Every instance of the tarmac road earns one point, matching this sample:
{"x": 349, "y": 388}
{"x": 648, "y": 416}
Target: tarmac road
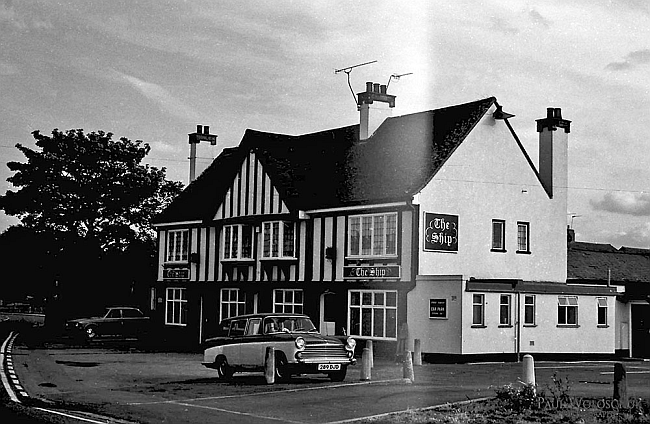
{"x": 137, "y": 386}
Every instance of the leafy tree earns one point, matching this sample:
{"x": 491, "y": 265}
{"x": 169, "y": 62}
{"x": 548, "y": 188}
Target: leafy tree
{"x": 88, "y": 186}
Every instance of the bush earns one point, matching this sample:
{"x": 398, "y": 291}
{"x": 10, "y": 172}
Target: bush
{"x": 518, "y": 398}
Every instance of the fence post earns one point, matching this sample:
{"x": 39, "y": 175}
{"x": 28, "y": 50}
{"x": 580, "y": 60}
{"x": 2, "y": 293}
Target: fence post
{"x": 371, "y": 353}
{"x": 528, "y": 375}
{"x": 269, "y": 365}
{"x": 620, "y": 383}
{"x": 417, "y": 352}
{"x": 407, "y": 367}
{"x": 365, "y": 365}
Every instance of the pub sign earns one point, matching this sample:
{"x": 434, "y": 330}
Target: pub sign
{"x": 437, "y": 308}
{"x": 440, "y": 232}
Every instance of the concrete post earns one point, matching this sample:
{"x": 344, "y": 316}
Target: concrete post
{"x": 620, "y": 384}
{"x": 365, "y": 365}
{"x": 528, "y": 375}
{"x": 407, "y": 367}
{"x": 371, "y": 353}
{"x": 269, "y": 365}
{"x": 417, "y": 353}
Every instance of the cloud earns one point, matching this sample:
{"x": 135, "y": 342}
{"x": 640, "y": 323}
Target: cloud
{"x": 624, "y": 203}
{"x": 161, "y": 96}
{"x": 631, "y": 60}
{"x": 634, "y": 237}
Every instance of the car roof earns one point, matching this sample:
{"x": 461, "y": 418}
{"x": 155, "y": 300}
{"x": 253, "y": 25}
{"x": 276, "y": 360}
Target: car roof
{"x": 266, "y": 315}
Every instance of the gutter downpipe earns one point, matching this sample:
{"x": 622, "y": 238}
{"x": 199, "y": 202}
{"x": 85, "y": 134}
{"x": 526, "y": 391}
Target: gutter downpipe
{"x": 518, "y": 329}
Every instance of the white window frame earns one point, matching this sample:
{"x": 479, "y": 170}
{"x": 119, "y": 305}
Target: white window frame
{"x": 480, "y": 322}
{"x": 602, "y": 306}
{"x": 523, "y": 237}
{"x": 563, "y": 305}
{"x": 377, "y": 308}
{"x": 505, "y": 310}
{"x": 498, "y": 235}
{"x": 379, "y": 245}
{"x": 287, "y": 302}
{"x": 269, "y": 234}
{"x": 530, "y": 305}
{"x": 233, "y": 242}
{"x": 227, "y": 303}
{"x": 174, "y": 244}
{"x": 176, "y": 306}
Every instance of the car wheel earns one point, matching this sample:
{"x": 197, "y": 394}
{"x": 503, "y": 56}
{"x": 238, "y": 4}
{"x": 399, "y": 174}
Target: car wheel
{"x": 339, "y": 375}
{"x": 91, "y": 333}
{"x": 281, "y": 372}
{"x": 224, "y": 371}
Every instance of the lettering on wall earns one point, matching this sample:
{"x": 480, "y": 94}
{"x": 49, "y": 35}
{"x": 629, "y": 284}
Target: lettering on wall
{"x": 371, "y": 272}
{"x": 440, "y": 232}
{"x": 437, "y": 308}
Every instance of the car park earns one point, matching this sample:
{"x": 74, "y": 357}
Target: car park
{"x": 115, "y": 322}
{"x": 242, "y": 341}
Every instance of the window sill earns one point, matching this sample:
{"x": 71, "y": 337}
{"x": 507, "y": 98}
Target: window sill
{"x": 505, "y": 326}
{"x": 175, "y": 325}
{"x": 371, "y": 258}
{"x": 602, "y": 326}
{"x": 530, "y": 325}
{"x": 498, "y": 250}
{"x": 179, "y": 263}
{"x": 523, "y": 252}
{"x": 288, "y": 259}
{"x": 235, "y": 261}
{"x": 479, "y": 326}
{"x": 568, "y": 326}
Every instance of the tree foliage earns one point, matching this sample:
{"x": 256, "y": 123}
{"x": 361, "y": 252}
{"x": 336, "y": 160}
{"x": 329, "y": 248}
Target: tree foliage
{"x": 88, "y": 186}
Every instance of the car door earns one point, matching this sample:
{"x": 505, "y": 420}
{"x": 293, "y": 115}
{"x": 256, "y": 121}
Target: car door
{"x": 253, "y": 349}
{"x": 111, "y": 325}
{"x": 132, "y": 322}
{"x": 232, "y": 347}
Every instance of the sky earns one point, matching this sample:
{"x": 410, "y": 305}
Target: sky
{"x": 152, "y": 70}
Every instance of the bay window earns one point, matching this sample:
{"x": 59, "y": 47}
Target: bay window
{"x": 279, "y": 240}
{"x": 237, "y": 242}
{"x": 372, "y": 235}
{"x": 178, "y": 242}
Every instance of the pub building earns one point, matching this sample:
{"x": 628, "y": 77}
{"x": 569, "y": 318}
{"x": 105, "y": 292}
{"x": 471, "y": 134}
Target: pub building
{"x": 434, "y": 226}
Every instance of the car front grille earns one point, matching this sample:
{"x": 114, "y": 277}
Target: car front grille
{"x": 321, "y": 352}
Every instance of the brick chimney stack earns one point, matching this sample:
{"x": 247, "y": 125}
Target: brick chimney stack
{"x": 553, "y": 152}
{"x": 374, "y": 105}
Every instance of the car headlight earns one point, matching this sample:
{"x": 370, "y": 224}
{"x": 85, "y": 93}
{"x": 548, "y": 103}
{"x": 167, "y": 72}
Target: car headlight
{"x": 350, "y": 343}
{"x": 300, "y": 343}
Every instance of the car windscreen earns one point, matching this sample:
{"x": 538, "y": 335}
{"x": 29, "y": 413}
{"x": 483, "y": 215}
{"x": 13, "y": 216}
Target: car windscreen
{"x": 288, "y": 324}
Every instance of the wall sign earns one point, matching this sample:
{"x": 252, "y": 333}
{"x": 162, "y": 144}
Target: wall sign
{"x": 176, "y": 273}
{"x": 372, "y": 272}
{"x": 440, "y": 232}
{"x": 437, "y": 308}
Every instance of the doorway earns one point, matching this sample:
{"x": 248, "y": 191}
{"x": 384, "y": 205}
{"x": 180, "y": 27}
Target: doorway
{"x": 641, "y": 331}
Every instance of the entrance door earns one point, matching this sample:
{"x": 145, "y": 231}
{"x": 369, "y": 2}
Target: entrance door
{"x": 641, "y": 331}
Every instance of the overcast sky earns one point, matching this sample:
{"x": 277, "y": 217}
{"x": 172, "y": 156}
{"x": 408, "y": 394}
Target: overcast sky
{"x": 154, "y": 69}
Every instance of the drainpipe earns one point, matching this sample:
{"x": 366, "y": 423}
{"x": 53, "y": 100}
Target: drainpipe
{"x": 518, "y": 329}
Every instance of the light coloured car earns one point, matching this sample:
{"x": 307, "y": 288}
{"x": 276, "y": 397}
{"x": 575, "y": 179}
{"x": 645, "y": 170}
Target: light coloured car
{"x": 241, "y": 343}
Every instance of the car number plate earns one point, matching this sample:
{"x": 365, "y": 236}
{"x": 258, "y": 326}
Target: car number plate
{"x": 329, "y": 367}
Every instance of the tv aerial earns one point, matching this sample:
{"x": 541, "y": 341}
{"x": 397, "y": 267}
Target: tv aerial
{"x": 348, "y": 70}
{"x": 396, "y": 77}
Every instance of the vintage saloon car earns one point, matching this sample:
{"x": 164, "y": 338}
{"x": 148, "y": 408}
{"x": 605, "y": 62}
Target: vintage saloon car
{"x": 241, "y": 343}
{"x": 119, "y": 321}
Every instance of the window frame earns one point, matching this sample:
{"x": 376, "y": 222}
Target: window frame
{"x": 498, "y": 245}
{"x": 281, "y": 240}
{"x": 526, "y": 243}
{"x": 226, "y": 305}
{"x": 388, "y": 314}
{"x": 532, "y": 306}
{"x": 388, "y": 235}
{"x": 505, "y": 320}
{"x": 602, "y": 308}
{"x": 481, "y": 306}
{"x": 289, "y": 306}
{"x": 178, "y": 316}
{"x": 565, "y": 304}
{"x": 228, "y": 247}
{"x": 172, "y": 245}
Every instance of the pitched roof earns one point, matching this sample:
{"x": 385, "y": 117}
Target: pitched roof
{"x": 593, "y": 262}
{"x": 333, "y": 168}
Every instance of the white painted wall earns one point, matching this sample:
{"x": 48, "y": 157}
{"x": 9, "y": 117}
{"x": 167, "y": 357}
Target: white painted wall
{"x": 488, "y": 177}
{"x": 491, "y": 338}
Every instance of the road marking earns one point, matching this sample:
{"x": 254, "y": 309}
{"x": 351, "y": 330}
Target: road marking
{"x": 279, "y": 391}
{"x": 247, "y": 414}
{"x": 3, "y": 376}
{"x": 627, "y": 372}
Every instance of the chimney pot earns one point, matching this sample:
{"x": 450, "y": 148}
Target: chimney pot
{"x": 558, "y": 113}
{"x": 382, "y": 89}
{"x": 369, "y": 87}
{"x": 549, "y": 112}
{"x": 206, "y": 129}
{"x": 375, "y": 87}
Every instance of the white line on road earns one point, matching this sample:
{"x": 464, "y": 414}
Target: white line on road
{"x": 247, "y": 414}
{"x": 3, "y": 376}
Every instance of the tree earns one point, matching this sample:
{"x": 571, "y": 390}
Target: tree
{"x": 88, "y": 186}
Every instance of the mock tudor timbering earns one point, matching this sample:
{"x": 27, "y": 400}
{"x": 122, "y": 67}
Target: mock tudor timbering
{"x": 394, "y": 229}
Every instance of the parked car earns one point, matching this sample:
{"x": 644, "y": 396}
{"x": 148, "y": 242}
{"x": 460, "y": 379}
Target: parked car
{"x": 116, "y": 322}
{"x": 241, "y": 343}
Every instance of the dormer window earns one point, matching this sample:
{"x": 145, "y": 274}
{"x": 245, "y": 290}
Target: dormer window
{"x": 237, "y": 242}
{"x": 279, "y": 239}
{"x": 372, "y": 235}
{"x": 178, "y": 242}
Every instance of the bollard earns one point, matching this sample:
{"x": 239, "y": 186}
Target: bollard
{"x": 371, "y": 353}
{"x": 269, "y": 365}
{"x": 365, "y": 365}
{"x": 528, "y": 375}
{"x": 407, "y": 367}
{"x": 417, "y": 353}
{"x": 620, "y": 383}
